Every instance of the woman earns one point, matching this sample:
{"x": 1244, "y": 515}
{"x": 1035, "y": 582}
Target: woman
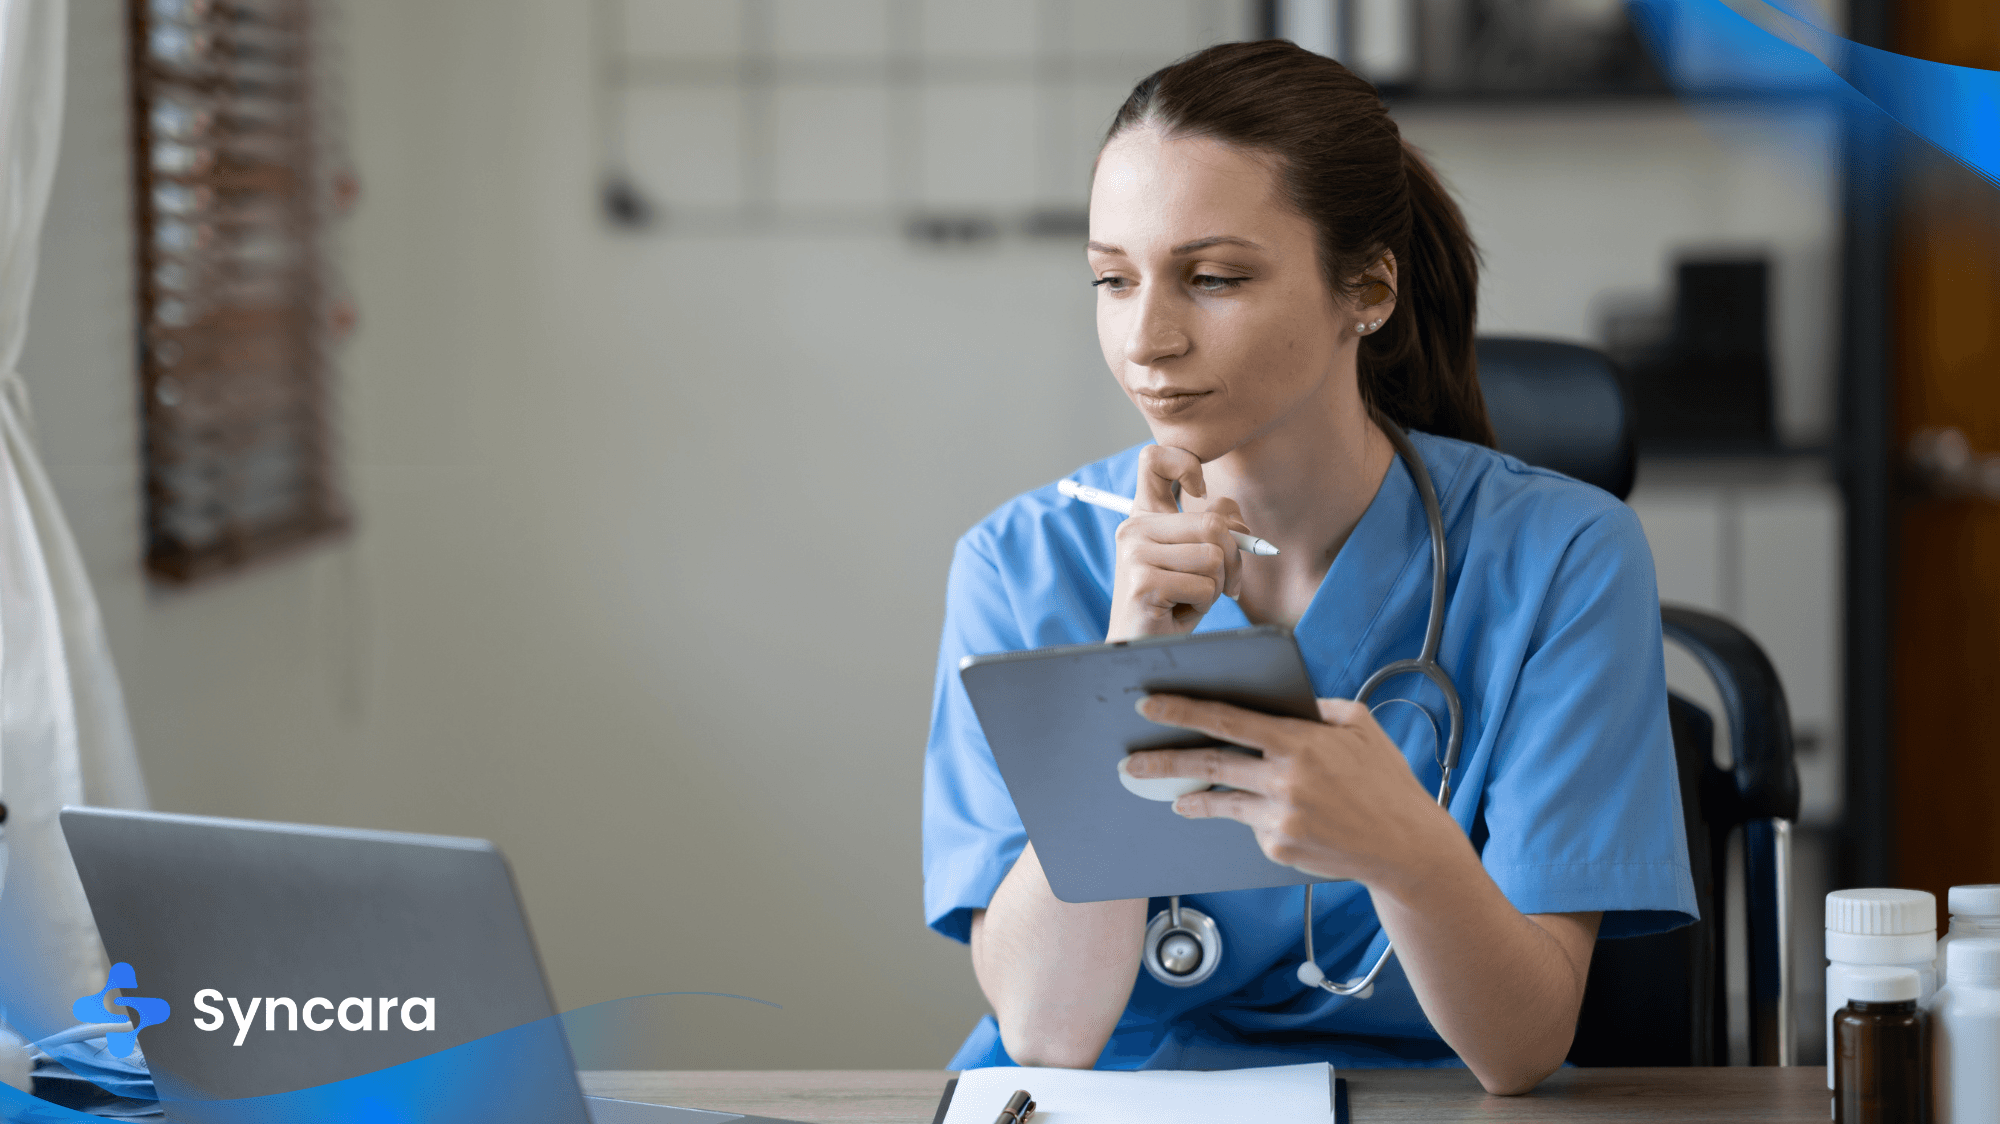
{"x": 1277, "y": 277}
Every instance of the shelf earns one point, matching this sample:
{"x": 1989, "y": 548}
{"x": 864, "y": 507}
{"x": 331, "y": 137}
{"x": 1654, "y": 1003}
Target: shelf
{"x": 1751, "y": 468}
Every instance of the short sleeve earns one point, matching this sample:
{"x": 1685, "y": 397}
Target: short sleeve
{"x": 1582, "y": 805}
{"x": 972, "y": 834}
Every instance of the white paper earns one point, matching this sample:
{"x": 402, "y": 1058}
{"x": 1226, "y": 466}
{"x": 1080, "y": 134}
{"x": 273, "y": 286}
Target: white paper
{"x": 1286, "y": 1094}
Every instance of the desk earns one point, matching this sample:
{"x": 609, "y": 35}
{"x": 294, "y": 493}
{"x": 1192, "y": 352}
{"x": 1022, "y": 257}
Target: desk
{"x": 1631, "y": 1096}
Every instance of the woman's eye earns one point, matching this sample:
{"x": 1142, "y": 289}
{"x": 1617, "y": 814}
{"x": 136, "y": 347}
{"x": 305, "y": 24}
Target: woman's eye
{"x": 1210, "y": 283}
{"x": 1113, "y": 284}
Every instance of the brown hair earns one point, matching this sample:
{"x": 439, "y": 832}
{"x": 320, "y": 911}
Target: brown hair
{"x": 1343, "y": 165}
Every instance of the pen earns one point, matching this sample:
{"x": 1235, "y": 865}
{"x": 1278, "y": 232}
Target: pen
{"x": 1123, "y": 506}
{"x": 1019, "y": 1108}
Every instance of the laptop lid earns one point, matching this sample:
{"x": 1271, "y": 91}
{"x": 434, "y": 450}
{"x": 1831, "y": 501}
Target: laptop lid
{"x": 390, "y": 948}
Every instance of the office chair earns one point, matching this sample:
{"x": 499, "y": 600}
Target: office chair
{"x": 1661, "y": 999}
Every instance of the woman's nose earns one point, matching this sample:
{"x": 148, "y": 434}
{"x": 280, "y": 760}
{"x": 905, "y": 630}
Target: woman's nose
{"x": 1156, "y": 333}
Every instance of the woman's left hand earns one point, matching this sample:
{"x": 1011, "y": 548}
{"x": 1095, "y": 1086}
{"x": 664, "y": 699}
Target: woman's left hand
{"x": 1333, "y": 798}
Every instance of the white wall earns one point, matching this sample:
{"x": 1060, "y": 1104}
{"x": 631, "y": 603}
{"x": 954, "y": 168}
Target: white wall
{"x": 650, "y": 552}
{"x": 1760, "y": 543}
{"x": 652, "y": 528}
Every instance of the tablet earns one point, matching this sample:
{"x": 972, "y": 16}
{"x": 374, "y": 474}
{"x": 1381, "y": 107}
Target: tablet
{"x": 1058, "y": 721}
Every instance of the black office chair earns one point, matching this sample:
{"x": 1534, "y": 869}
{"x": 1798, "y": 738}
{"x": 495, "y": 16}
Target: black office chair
{"x": 1661, "y": 999}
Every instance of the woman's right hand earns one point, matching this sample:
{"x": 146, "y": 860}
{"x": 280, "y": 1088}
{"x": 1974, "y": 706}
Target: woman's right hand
{"x": 1172, "y": 564}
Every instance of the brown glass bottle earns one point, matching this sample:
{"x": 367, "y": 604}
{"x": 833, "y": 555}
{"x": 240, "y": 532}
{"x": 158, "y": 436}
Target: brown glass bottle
{"x": 1882, "y": 1064}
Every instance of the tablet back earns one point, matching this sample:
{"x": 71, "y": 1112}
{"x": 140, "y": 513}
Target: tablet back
{"x": 1059, "y": 720}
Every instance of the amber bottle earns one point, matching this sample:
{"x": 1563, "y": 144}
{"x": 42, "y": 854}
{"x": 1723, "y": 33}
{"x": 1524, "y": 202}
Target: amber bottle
{"x": 1882, "y": 1051}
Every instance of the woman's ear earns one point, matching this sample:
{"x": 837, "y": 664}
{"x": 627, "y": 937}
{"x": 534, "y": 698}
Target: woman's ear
{"x": 1376, "y": 301}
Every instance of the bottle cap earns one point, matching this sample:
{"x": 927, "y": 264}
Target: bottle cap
{"x": 1881, "y": 913}
{"x": 1974, "y": 901}
{"x": 1884, "y": 985}
{"x": 1972, "y": 960}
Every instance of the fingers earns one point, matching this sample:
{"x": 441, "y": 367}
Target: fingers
{"x": 1194, "y": 526}
{"x": 1343, "y": 712}
{"x": 1223, "y": 722}
{"x": 1231, "y": 514}
{"x": 1160, "y": 468}
{"x": 1232, "y": 559}
{"x": 1159, "y": 571}
{"x": 1165, "y": 591}
{"x": 1243, "y": 807}
{"x": 1261, "y": 814}
{"x": 1153, "y": 549}
{"x": 1216, "y": 766}
{"x": 1201, "y": 557}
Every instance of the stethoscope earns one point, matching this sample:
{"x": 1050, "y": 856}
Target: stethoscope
{"x": 1183, "y": 947}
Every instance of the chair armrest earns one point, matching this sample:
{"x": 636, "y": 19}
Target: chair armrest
{"x": 1753, "y": 702}
{"x": 1762, "y": 788}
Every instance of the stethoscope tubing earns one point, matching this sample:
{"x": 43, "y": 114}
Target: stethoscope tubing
{"x": 1425, "y": 665}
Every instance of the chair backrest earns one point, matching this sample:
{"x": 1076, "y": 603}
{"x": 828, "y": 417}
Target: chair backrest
{"x": 1660, "y": 999}
{"x": 1561, "y": 406}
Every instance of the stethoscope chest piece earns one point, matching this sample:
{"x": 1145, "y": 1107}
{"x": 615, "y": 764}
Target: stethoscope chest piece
{"x": 1183, "y": 946}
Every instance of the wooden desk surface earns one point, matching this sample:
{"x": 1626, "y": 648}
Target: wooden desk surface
{"x": 1630, "y": 1096}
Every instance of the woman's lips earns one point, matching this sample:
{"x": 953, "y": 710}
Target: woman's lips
{"x": 1167, "y": 403}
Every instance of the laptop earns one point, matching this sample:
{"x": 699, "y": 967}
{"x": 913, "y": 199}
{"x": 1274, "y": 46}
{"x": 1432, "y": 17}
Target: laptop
{"x": 333, "y": 974}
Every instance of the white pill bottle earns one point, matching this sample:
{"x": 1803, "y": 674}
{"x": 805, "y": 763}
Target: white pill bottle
{"x": 1965, "y": 1035}
{"x": 1975, "y": 912}
{"x": 1877, "y": 929}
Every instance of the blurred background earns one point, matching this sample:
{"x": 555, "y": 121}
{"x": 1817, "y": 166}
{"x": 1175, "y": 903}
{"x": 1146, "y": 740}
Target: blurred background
{"x": 664, "y": 347}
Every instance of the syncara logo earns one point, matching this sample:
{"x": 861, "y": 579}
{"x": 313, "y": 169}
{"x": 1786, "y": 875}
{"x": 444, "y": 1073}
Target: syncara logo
{"x": 367, "y": 1015}
{"x": 146, "y": 1012}
{"x": 295, "y": 1013}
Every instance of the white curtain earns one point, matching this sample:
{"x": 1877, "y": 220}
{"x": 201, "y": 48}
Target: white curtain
{"x": 63, "y": 733}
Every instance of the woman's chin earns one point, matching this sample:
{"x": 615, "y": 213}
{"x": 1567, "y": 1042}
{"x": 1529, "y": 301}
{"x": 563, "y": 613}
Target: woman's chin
{"x": 1205, "y": 442}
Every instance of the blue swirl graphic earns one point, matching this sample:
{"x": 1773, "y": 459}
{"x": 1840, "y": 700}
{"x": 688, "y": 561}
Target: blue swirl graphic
{"x": 517, "y": 1076}
{"x": 1707, "y": 48}
{"x": 149, "y": 1012}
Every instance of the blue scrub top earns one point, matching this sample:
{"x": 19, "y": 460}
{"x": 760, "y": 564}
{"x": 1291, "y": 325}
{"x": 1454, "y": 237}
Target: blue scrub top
{"x": 1567, "y": 783}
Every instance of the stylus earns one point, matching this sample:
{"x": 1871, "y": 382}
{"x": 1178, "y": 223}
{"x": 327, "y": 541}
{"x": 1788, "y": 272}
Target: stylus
{"x": 1123, "y": 506}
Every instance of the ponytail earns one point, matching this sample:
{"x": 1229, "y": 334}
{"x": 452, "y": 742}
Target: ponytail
{"x": 1346, "y": 168}
{"x": 1420, "y": 368}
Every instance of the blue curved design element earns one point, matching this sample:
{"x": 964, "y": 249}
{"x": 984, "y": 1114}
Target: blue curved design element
{"x": 150, "y": 1012}
{"x": 1706, "y": 47}
{"x": 517, "y": 1076}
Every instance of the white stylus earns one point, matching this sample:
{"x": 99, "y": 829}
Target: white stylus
{"x": 1123, "y": 506}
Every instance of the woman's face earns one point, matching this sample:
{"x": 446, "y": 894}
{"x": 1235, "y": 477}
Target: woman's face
{"x": 1211, "y": 308}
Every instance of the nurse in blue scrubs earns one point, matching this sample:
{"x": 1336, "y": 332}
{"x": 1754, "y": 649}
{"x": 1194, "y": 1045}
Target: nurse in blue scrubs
{"x": 1275, "y": 270}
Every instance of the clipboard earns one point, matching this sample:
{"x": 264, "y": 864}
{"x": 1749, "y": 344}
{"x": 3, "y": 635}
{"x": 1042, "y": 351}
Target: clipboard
{"x": 1060, "y": 719}
{"x": 1340, "y": 1115}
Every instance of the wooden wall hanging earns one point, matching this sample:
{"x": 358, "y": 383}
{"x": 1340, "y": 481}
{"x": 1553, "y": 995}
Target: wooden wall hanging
{"x": 238, "y": 310}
